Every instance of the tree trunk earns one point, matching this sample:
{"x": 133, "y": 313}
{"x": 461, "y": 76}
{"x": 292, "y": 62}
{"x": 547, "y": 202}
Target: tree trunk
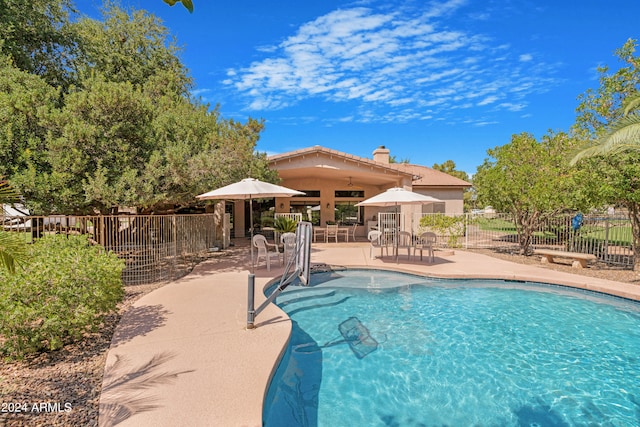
{"x": 634, "y": 217}
{"x": 525, "y": 225}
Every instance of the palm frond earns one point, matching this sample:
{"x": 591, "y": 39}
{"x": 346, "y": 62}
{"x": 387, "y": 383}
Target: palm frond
{"x": 591, "y": 149}
{"x": 13, "y": 251}
{"x": 7, "y": 193}
{"x": 632, "y": 103}
{"x": 622, "y": 136}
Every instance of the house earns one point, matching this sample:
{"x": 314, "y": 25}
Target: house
{"x": 334, "y": 182}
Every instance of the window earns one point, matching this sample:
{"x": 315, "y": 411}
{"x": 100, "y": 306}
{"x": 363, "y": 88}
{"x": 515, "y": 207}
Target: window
{"x": 437, "y": 207}
{"x": 309, "y": 193}
{"x": 349, "y": 213}
{"x": 309, "y": 209}
{"x": 346, "y": 210}
{"x": 351, "y": 194}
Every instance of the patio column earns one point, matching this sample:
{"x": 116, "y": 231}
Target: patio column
{"x": 327, "y": 211}
{"x": 282, "y": 205}
{"x": 238, "y": 218}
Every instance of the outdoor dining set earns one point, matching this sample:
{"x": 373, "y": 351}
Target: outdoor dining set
{"x": 402, "y": 240}
{"x": 334, "y": 231}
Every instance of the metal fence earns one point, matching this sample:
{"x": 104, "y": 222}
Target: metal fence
{"x": 607, "y": 237}
{"x": 154, "y": 247}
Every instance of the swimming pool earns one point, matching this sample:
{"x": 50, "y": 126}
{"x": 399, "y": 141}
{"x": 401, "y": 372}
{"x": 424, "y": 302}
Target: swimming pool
{"x": 434, "y": 352}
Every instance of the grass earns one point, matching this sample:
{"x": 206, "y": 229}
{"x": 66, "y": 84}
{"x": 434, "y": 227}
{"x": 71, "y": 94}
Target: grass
{"x": 618, "y": 235}
{"x": 495, "y": 224}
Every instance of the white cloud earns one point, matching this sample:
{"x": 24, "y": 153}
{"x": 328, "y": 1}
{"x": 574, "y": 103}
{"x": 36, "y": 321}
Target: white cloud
{"x": 488, "y": 100}
{"x": 396, "y": 63}
{"x": 513, "y": 107}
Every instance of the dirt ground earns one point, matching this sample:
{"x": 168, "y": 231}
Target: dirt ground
{"x": 62, "y": 388}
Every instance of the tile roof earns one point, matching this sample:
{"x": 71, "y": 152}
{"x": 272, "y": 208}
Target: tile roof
{"x": 423, "y": 175}
{"x": 431, "y": 177}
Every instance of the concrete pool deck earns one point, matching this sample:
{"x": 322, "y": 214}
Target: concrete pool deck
{"x": 181, "y": 354}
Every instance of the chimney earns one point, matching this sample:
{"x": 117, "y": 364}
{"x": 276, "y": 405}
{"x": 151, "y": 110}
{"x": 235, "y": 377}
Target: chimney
{"x": 381, "y": 155}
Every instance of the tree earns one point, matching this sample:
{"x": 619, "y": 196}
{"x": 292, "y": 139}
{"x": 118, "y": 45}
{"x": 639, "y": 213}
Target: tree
{"x": 102, "y": 133}
{"x": 623, "y": 134}
{"x": 129, "y": 46}
{"x": 188, "y": 4}
{"x": 613, "y": 175}
{"x": 25, "y": 100}
{"x": 394, "y": 159}
{"x": 128, "y": 133}
{"x": 449, "y": 167}
{"x": 529, "y": 179}
{"x": 36, "y": 35}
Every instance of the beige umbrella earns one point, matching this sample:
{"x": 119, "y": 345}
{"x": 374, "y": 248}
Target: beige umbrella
{"x": 249, "y": 189}
{"x": 397, "y": 196}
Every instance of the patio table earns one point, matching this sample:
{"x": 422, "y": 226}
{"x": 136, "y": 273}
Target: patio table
{"x": 345, "y": 232}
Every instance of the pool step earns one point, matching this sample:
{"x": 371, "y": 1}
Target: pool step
{"x": 308, "y": 299}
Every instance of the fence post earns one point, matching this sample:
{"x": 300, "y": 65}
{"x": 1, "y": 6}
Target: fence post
{"x": 606, "y": 240}
{"x": 174, "y": 235}
{"x": 466, "y": 230}
{"x": 102, "y": 231}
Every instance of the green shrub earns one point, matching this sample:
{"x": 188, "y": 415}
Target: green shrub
{"x": 284, "y": 224}
{"x": 450, "y": 226}
{"x": 64, "y": 291}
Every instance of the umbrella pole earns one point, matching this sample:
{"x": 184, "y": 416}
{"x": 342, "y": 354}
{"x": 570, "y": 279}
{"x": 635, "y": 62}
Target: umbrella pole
{"x": 251, "y": 313}
{"x": 397, "y": 232}
{"x": 251, "y": 231}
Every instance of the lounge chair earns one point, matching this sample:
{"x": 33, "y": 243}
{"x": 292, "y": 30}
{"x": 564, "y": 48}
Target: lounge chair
{"x": 265, "y": 250}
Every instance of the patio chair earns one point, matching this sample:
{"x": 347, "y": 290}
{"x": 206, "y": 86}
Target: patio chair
{"x": 352, "y": 231}
{"x": 289, "y": 243}
{"x": 375, "y": 238}
{"x": 425, "y": 242}
{"x": 264, "y": 250}
{"x": 344, "y": 232}
{"x": 405, "y": 241}
{"x": 331, "y": 232}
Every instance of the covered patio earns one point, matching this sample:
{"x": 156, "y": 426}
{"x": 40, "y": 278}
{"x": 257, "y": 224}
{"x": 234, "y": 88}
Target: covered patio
{"x": 335, "y": 182}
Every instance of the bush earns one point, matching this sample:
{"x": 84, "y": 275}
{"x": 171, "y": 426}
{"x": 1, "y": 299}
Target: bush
{"x": 65, "y": 289}
{"x": 450, "y": 226}
{"x": 284, "y": 224}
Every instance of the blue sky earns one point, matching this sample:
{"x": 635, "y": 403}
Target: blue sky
{"x": 430, "y": 80}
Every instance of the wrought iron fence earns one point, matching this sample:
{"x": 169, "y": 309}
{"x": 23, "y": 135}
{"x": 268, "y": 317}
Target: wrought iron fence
{"x": 608, "y": 237}
{"x": 154, "y": 247}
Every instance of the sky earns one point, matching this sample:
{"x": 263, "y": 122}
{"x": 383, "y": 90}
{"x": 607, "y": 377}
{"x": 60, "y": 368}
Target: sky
{"x": 430, "y": 80}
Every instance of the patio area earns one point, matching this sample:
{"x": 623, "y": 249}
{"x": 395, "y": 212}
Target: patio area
{"x": 182, "y": 354}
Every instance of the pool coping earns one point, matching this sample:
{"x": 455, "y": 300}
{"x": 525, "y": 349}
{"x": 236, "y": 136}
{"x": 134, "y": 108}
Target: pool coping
{"x": 188, "y": 341}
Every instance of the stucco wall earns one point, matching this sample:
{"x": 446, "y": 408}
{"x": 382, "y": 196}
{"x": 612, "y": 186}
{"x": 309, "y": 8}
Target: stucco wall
{"x": 452, "y": 198}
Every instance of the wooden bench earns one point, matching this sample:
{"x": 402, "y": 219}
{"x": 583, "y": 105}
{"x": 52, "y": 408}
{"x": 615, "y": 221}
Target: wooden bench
{"x": 579, "y": 259}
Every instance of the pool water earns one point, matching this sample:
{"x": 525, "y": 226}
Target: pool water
{"x": 431, "y": 352}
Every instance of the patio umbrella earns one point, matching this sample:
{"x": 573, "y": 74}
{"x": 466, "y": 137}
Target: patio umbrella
{"x": 249, "y": 188}
{"x": 397, "y": 196}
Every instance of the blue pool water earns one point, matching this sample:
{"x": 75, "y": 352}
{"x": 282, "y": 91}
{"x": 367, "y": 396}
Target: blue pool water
{"x": 430, "y": 352}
